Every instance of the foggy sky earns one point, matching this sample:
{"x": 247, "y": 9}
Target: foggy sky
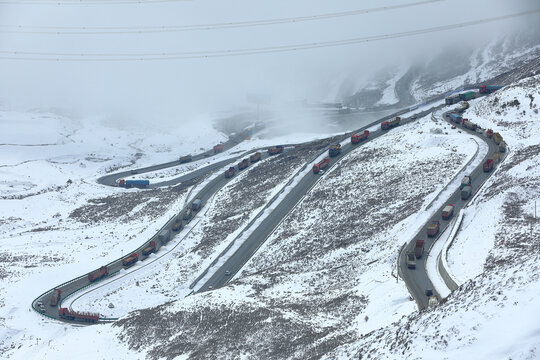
{"x": 178, "y": 91}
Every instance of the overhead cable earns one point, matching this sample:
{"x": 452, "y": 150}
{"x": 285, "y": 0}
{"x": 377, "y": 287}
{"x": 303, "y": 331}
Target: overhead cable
{"x": 60, "y": 56}
{"x": 57, "y": 30}
{"x": 85, "y": 2}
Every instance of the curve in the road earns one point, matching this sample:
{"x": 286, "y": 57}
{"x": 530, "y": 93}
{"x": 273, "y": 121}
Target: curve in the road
{"x": 111, "y": 179}
{"x": 417, "y": 280}
{"x": 267, "y": 226}
{"x": 244, "y": 252}
{"x": 81, "y": 282}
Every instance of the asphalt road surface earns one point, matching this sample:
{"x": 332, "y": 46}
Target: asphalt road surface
{"x": 241, "y": 255}
{"x": 267, "y": 226}
{"x": 68, "y": 288}
{"x": 111, "y": 179}
{"x": 416, "y": 279}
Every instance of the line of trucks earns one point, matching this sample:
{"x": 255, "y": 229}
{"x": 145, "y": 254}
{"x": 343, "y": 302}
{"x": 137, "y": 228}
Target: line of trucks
{"x": 469, "y": 95}
{"x": 431, "y": 231}
{"x": 334, "y": 150}
{"x": 357, "y": 138}
{"x": 144, "y": 183}
{"x": 274, "y": 150}
{"x": 465, "y": 186}
{"x": 458, "y": 119}
{"x": 163, "y": 237}
{"x": 434, "y": 226}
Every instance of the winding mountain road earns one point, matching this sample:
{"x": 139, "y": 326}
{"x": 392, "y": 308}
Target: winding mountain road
{"x": 234, "y": 263}
{"x": 417, "y": 280}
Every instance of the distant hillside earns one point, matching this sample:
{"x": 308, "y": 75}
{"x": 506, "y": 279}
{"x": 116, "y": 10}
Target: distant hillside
{"x": 500, "y": 62}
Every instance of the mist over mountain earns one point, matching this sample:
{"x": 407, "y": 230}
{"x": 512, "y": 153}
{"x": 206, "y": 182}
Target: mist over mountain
{"x": 59, "y": 56}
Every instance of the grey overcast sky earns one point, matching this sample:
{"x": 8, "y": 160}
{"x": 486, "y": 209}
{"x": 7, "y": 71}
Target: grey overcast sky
{"x": 181, "y": 88}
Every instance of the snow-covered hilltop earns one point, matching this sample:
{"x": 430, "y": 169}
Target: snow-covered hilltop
{"x": 497, "y": 62}
{"x": 326, "y": 275}
{"x": 493, "y": 315}
{"x": 324, "y": 284}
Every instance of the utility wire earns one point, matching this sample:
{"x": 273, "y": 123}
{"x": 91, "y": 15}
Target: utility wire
{"x": 85, "y": 2}
{"x": 176, "y": 28}
{"x": 25, "y": 55}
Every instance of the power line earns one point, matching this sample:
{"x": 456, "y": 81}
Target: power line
{"x": 176, "y": 28}
{"x": 111, "y": 57}
{"x": 85, "y": 2}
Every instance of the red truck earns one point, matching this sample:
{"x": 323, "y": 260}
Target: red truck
{"x": 448, "y": 211}
{"x": 243, "y": 164}
{"x": 122, "y": 182}
{"x": 433, "y": 228}
{"x": 65, "y": 313}
{"x": 323, "y": 164}
{"x": 55, "y": 297}
{"x": 98, "y": 274}
{"x": 230, "y": 173}
{"x": 386, "y": 125}
{"x": 356, "y": 138}
{"x": 487, "y": 89}
{"x": 469, "y": 125}
{"x": 218, "y": 148}
{"x": 275, "y": 150}
{"x": 489, "y": 133}
{"x": 151, "y": 248}
{"x": 130, "y": 260}
{"x": 488, "y": 165}
{"x": 419, "y": 248}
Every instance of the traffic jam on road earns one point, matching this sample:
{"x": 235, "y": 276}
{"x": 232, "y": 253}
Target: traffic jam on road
{"x": 463, "y": 194}
{"x": 418, "y": 247}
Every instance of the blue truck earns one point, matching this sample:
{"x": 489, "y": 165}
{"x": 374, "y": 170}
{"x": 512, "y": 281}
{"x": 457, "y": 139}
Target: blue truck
{"x": 334, "y": 150}
{"x": 136, "y": 183}
{"x": 451, "y": 100}
{"x": 455, "y": 118}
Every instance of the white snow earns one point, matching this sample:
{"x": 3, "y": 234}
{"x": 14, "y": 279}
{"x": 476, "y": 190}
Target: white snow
{"x": 389, "y": 94}
{"x": 494, "y": 255}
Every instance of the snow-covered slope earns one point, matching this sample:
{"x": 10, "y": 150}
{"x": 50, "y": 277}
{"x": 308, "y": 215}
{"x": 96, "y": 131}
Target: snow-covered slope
{"x": 451, "y": 69}
{"x": 326, "y": 275}
{"x": 494, "y": 314}
{"x": 322, "y": 286}
{"x": 58, "y": 223}
{"x": 456, "y": 68}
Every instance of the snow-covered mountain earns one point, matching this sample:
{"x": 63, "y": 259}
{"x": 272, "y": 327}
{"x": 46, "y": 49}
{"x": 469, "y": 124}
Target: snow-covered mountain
{"x": 324, "y": 285}
{"x": 493, "y": 314}
{"x": 455, "y": 67}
